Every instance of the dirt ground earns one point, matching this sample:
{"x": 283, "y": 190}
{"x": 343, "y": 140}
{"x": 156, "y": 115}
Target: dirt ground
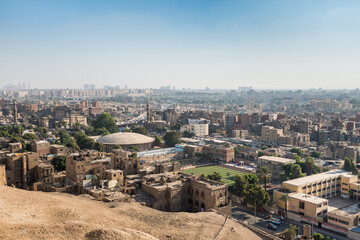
{"x": 39, "y": 215}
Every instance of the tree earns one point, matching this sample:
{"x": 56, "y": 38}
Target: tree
{"x": 30, "y": 136}
{"x": 297, "y": 151}
{"x": 318, "y": 236}
{"x": 98, "y": 131}
{"x": 157, "y": 141}
{"x": 171, "y": 138}
{"x": 188, "y": 134}
{"x": 59, "y": 163}
{"x": 140, "y": 130}
{"x": 175, "y": 127}
{"x": 215, "y": 176}
{"x": 17, "y": 129}
{"x": 99, "y": 146}
{"x": 291, "y": 232}
{"x": 285, "y": 199}
{"x": 297, "y": 173}
{"x": 257, "y": 196}
{"x": 107, "y": 121}
{"x": 251, "y": 178}
{"x": 261, "y": 153}
{"x": 315, "y": 154}
{"x": 309, "y": 163}
{"x": 240, "y": 184}
{"x": 132, "y": 148}
{"x": 73, "y": 144}
{"x": 65, "y": 137}
{"x": 350, "y": 166}
{"x": 264, "y": 173}
{"x": 84, "y": 141}
{"x": 42, "y": 132}
{"x": 117, "y": 147}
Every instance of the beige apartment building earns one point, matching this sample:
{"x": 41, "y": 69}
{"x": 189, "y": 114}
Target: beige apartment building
{"x": 200, "y": 130}
{"x": 270, "y": 134}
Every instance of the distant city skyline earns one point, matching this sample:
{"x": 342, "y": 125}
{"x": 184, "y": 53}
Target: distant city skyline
{"x": 186, "y": 44}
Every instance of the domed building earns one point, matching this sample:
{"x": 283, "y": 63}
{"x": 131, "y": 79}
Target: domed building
{"x": 127, "y": 139}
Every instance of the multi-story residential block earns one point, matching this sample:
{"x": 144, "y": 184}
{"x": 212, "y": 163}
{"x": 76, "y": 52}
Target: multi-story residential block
{"x": 271, "y": 134}
{"x": 77, "y": 167}
{"x": 220, "y": 153}
{"x": 200, "y": 130}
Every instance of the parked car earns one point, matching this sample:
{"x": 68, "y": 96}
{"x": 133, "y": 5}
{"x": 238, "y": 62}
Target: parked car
{"x": 271, "y": 226}
{"x": 261, "y": 210}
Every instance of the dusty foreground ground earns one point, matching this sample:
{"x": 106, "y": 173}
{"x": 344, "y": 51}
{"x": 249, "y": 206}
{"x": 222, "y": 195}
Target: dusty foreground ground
{"x": 38, "y": 215}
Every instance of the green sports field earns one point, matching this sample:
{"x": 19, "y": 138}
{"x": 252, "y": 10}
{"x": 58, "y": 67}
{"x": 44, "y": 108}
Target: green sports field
{"x": 229, "y": 180}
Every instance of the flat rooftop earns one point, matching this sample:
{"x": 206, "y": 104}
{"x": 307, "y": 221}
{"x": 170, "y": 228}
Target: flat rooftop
{"x": 309, "y": 198}
{"x": 317, "y": 177}
{"x": 349, "y": 211}
{"x": 277, "y": 159}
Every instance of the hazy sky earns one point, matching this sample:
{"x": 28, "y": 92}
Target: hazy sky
{"x": 186, "y": 43}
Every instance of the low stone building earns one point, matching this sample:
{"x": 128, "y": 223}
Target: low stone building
{"x": 42, "y": 148}
{"x": 58, "y": 149}
{"x": 177, "y": 192}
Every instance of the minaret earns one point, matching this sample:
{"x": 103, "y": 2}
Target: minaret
{"x": 147, "y": 112}
{"x": 15, "y": 113}
{"x": 69, "y": 118}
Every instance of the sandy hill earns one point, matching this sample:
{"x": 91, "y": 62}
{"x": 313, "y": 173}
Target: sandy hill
{"x": 39, "y": 215}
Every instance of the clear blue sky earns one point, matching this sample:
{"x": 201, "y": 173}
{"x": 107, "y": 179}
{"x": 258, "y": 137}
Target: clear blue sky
{"x": 186, "y": 43}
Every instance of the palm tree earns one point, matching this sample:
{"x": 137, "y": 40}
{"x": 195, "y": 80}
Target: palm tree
{"x": 264, "y": 173}
{"x": 285, "y": 199}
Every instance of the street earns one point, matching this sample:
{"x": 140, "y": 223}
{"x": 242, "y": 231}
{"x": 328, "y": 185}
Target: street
{"x": 246, "y": 214}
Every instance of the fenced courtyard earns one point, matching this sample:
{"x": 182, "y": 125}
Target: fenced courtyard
{"x": 227, "y": 175}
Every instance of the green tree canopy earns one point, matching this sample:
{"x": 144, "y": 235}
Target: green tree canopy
{"x": 59, "y": 163}
{"x": 291, "y": 232}
{"x": 254, "y": 194}
{"x": 297, "y": 151}
{"x": 215, "y": 176}
{"x": 157, "y": 141}
{"x": 73, "y": 144}
{"x": 105, "y": 120}
{"x": 261, "y": 153}
{"x": 30, "y": 136}
{"x": 350, "y": 166}
{"x": 140, "y": 130}
{"x": 171, "y": 138}
{"x": 188, "y": 134}
{"x": 99, "y": 146}
{"x": 315, "y": 154}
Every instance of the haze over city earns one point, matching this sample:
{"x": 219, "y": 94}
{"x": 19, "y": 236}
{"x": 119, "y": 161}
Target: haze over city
{"x": 179, "y": 119}
{"x": 186, "y": 44}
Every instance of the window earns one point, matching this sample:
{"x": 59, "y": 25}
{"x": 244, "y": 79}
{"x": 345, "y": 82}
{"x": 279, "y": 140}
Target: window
{"x": 301, "y": 205}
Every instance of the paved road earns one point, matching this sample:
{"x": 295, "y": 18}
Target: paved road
{"x": 262, "y": 219}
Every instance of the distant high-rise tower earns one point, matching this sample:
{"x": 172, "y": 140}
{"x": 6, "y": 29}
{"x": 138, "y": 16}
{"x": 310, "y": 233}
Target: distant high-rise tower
{"x": 15, "y": 112}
